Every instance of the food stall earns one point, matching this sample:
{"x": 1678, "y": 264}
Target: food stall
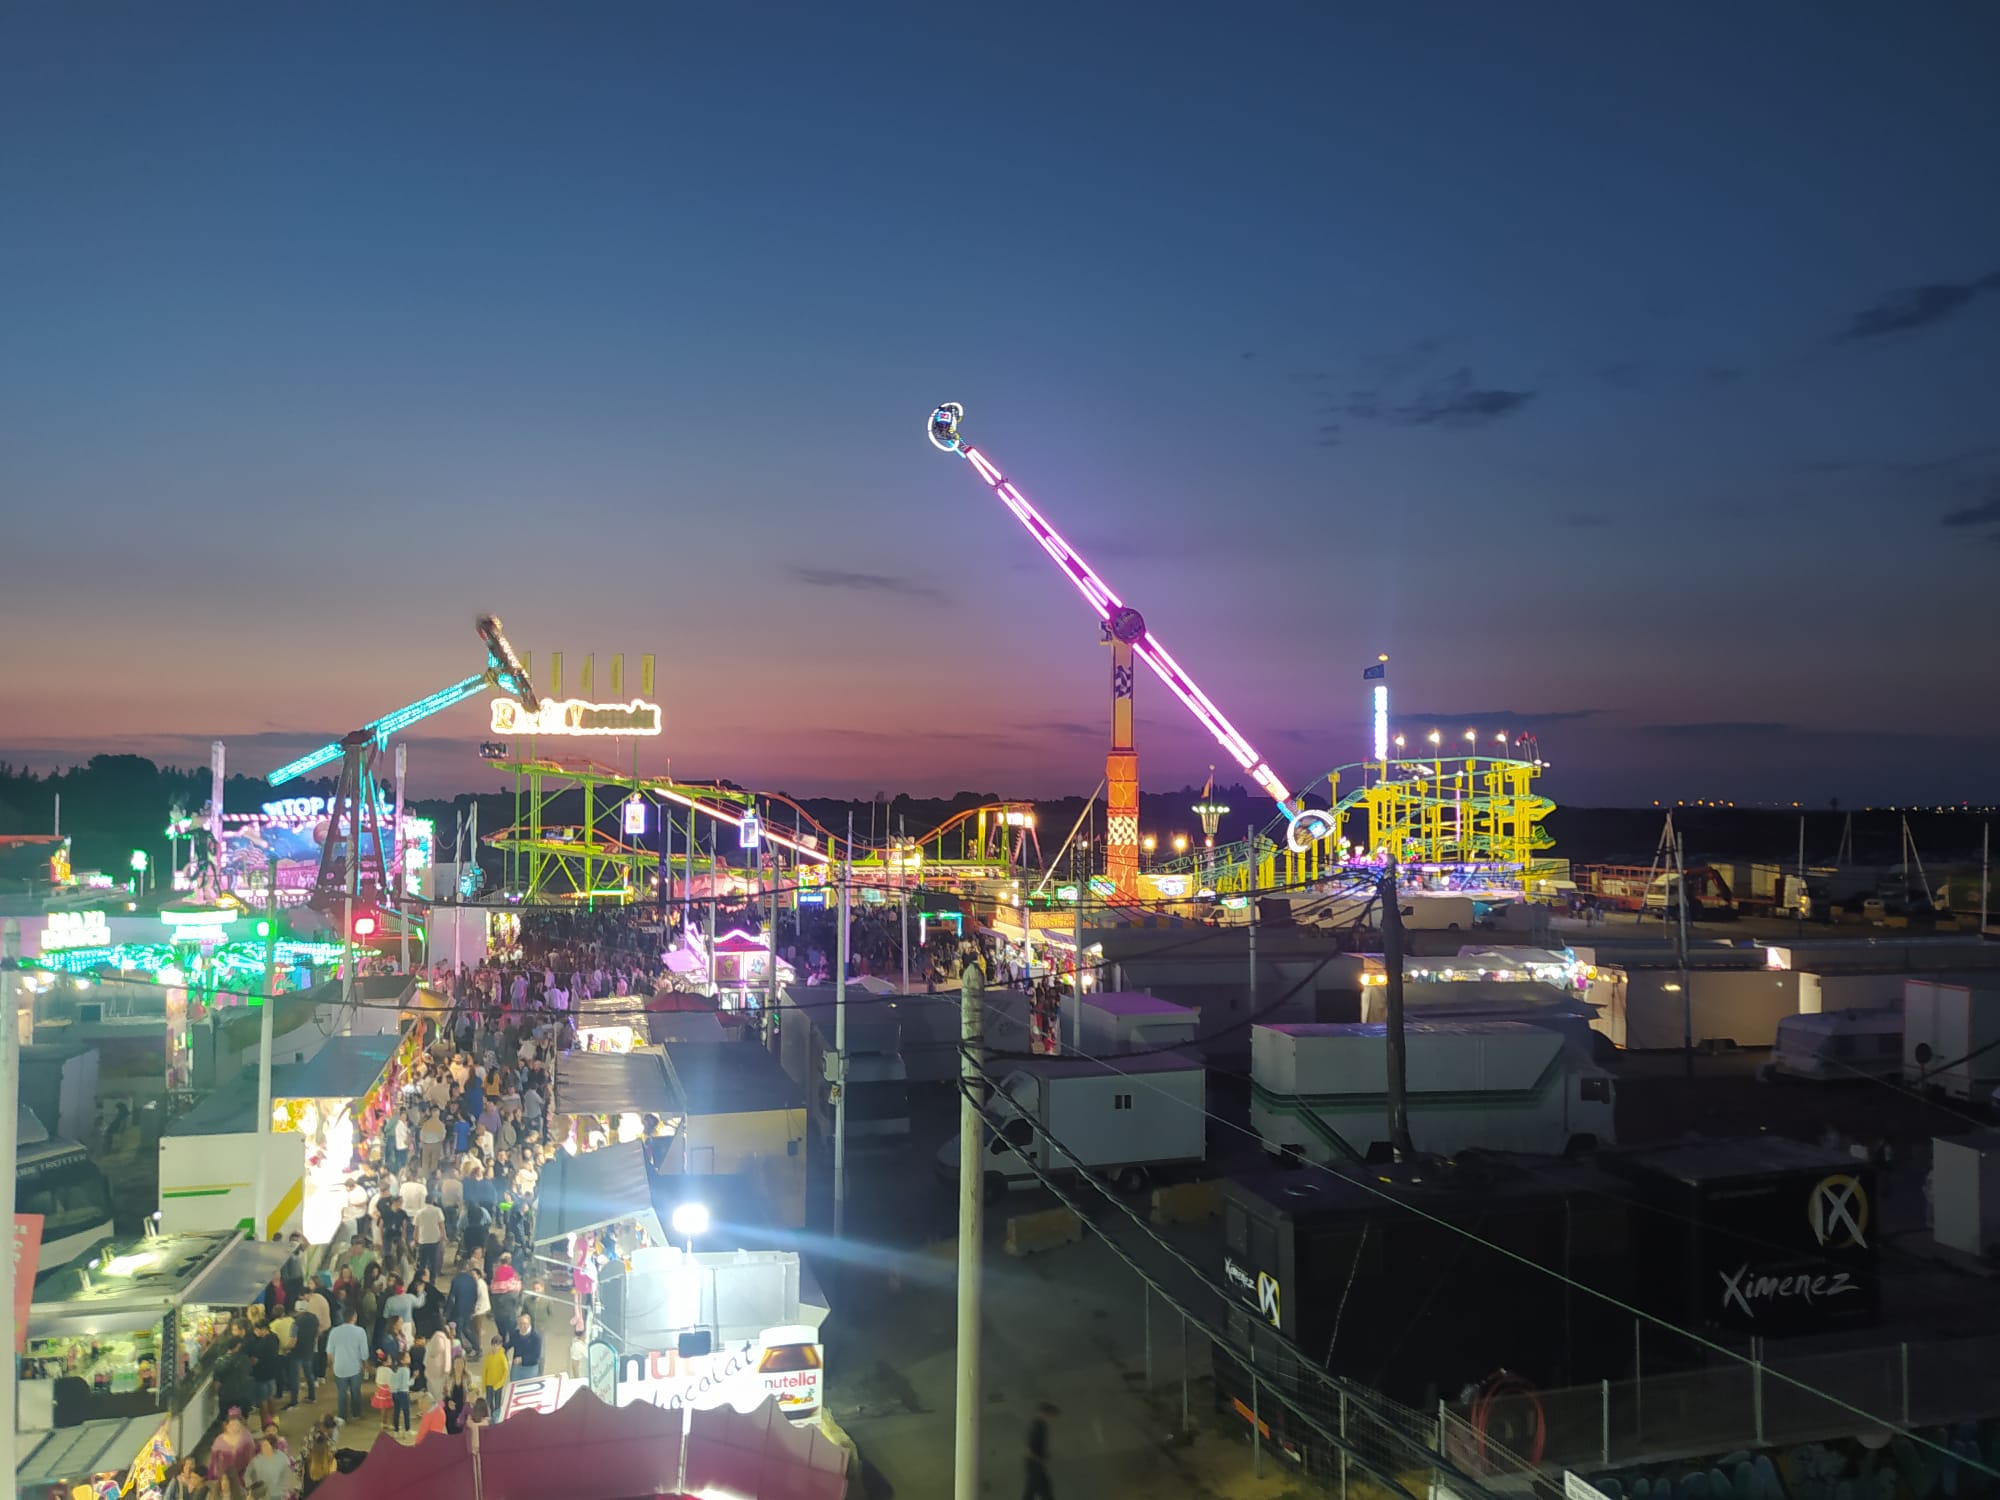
{"x": 135, "y": 1334}
{"x": 129, "y": 1455}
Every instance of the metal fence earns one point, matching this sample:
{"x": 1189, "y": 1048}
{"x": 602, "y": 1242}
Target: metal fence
{"x": 1735, "y": 1405}
{"x": 1324, "y": 1435}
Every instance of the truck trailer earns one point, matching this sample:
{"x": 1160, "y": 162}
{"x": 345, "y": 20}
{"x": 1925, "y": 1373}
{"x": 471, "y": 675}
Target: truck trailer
{"x": 1404, "y": 1281}
{"x": 1320, "y": 1092}
{"x": 1951, "y": 1035}
{"x": 1124, "y": 1121}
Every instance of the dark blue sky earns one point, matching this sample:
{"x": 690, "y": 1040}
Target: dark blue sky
{"x": 1628, "y": 374}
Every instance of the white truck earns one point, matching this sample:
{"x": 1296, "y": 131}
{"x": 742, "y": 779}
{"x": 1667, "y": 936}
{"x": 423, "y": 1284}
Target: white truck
{"x": 1951, "y": 1035}
{"x": 1320, "y": 1092}
{"x": 1122, "y": 1120}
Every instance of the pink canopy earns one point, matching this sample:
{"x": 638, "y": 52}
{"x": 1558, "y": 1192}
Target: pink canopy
{"x": 589, "y": 1451}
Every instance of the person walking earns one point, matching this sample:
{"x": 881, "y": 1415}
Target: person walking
{"x": 399, "y": 1393}
{"x": 269, "y": 1475}
{"x": 493, "y": 1375}
{"x": 347, "y": 1351}
{"x": 526, "y": 1346}
{"x": 1038, "y": 1485}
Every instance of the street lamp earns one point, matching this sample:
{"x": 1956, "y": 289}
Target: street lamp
{"x": 690, "y": 1221}
{"x": 1149, "y": 844}
{"x": 1180, "y": 843}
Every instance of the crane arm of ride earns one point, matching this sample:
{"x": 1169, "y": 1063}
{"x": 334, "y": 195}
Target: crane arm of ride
{"x": 1129, "y": 626}
{"x": 503, "y": 672}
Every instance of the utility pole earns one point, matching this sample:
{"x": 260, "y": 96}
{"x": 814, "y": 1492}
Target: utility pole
{"x": 971, "y": 1228}
{"x": 396, "y": 872}
{"x": 1392, "y": 1004}
{"x": 903, "y": 885}
{"x": 1985, "y": 873}
{"x": 11, "y": 992}
{"x": 1798, "y": 900}
{"x": 1076, "y": 971}
{"x": 1687, "y": 997}
{"x": 840, "y": 1038}
{"x": 713, "y": 836}
{"x": 260, "y": 1178}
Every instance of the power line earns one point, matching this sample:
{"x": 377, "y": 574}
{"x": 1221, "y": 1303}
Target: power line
{"x": 1635, "y": 1312}
{"x": 1340, "y": 1444}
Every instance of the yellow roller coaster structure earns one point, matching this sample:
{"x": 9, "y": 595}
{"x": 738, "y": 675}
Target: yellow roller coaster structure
{"x": 1448, "y": 810}
{"x": 575, "y": 851}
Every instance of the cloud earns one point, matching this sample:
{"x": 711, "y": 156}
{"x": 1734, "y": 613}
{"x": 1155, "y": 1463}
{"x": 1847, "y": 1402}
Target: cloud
{"x": 1249, "y": 353}
{"x": 1720, "y": 374}
{"x": 1985, "y": 513}
{"x": 1452, "y": 401}
{"x": 1582, "y": 519}
{"x": 1919, "y": 307}
{"x": 1718, "y": 729}
{"x": 865, "y": 583}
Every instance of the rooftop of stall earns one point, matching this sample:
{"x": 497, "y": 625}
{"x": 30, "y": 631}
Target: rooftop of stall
{"x": 71, "y": 1455}
{"x": 728, "y": 1078}
{"x": 345, "y": 1068}
{"x": 137, "y": 1277}
{"x": 615, "y": 1083}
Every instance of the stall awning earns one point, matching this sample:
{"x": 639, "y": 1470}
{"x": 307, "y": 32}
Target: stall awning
{"x": 592, "y": 1189}
{"x": 346, "y": 1067}
{"x": 238, "y": 1276}
{"x": 610, "y": 1083}
{"x": 590, "y": 1451}
{"x": 73, "y": 1454}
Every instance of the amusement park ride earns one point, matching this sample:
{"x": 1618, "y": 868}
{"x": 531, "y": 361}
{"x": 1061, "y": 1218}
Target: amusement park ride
{"x": 1125, "y": 629}
{"x": 1435, "y": 810}
{"x": 352, "y": 861}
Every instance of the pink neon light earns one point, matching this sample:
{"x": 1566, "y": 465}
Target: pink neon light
{"x": 770, "y": 834}
{"x": 1101, "y": 598}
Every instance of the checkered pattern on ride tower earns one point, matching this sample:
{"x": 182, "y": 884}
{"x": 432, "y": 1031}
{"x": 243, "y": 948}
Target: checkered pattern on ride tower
{"x": 1122, "y": 829}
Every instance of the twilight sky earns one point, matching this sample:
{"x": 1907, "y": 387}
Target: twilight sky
{"x": 1628, "y": 374}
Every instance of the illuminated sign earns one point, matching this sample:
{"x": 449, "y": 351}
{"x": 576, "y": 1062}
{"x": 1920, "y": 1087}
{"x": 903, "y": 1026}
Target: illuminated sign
{"x": 783, "y": 1364}
{"x": 572, "y": 716}
{"x": 76, "y": 929}
{"x": 208, "y": 926}
{"x": 1381, "y": 721}
{"x": 635, "y": 815}
{"x": 296, "y": 809}
{"x": 750, "y": 832}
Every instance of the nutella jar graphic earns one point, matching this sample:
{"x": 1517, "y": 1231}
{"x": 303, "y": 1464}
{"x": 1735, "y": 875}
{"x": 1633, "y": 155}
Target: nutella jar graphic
{"x": 789, "y": 1369}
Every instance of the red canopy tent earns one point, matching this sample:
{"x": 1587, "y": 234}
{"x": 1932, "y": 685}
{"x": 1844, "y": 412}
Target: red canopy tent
{"x": 586, "y": 1450}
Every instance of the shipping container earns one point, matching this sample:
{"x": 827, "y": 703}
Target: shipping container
{"x": 1766, "y": 1236}
{"x": 1406, "y": 1281}
{"x": 1125, "y": 1021}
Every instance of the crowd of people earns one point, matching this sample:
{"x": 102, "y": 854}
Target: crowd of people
{"x": 423, "y": 1297}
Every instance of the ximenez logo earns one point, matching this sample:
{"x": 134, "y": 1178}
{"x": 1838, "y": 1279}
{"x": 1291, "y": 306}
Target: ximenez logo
{"x": 573, "y": 716}
{"x": 1751, "y": 1291}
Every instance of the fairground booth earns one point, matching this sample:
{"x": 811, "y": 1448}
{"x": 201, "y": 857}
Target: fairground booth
{"x": 118, "y": 1371}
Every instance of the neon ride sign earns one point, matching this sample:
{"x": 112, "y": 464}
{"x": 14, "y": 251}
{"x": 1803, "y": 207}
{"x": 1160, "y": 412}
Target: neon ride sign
{"x": 573, "y": 716}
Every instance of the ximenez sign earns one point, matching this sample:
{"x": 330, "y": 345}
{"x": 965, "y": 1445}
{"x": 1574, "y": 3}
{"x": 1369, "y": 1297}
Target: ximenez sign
{"x": 573, "y": 716}
{"x": 781, "y": 1363}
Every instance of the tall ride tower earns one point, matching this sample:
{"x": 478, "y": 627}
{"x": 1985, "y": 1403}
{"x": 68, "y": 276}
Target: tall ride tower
{"x": 1121, "y": 764}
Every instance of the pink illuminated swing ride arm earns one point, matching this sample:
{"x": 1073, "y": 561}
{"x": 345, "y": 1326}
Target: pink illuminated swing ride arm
{"x": 1127, "y": 625}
